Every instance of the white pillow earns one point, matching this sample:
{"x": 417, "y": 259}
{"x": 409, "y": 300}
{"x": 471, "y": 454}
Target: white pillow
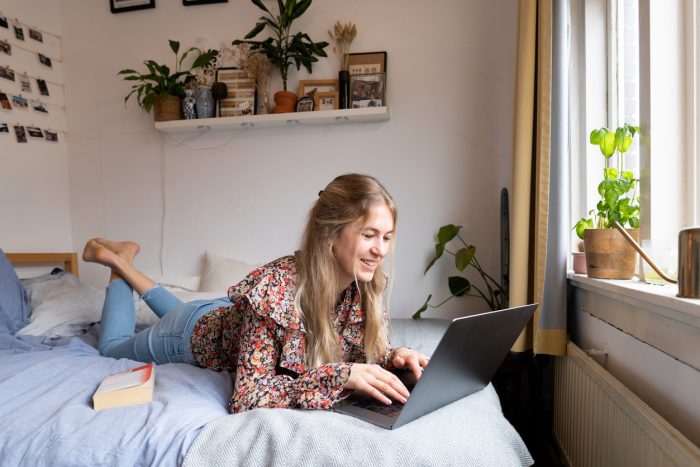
{"x": 62, "y": 307}
{"x": 220, "y": 273}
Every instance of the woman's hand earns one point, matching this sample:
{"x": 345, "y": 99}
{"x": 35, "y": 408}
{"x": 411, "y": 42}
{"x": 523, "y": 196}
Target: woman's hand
{"x": 409, "y": 359}
{"x": 376, "y": 382}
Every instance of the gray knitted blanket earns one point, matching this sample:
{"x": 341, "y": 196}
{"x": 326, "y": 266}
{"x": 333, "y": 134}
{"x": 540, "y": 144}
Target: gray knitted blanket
{"x": 469, "y": 432}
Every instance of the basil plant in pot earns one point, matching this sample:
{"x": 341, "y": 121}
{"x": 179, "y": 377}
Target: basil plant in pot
{"x": 492, "y": 292}
{"x": 608, "y": 254}
{"x": 284, "y": 48}
{"x": 161, "y": 88}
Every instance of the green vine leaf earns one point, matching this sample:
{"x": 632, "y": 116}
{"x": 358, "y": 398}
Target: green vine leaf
{"x": 464, "y": 256}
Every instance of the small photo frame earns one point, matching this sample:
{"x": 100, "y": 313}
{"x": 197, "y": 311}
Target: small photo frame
{"x": 20, "y": 102}
{"x": 201, "y": 2}
{"x": 19, "y": 32}
{"x": 318, "y": 85}
{"x": 5, "y": 101}
{"x": 3, "y": 22}
{"x": 20, "y": 134}
{"x": 7, "y": 73}
{"x": 35, "y": 132}
{"x": 51, "y": 136}
{"x": 367, "y": 63}
{"x": 24, "y": 82}
{"x": 122, "y": 6}
{"x": 5, "y": 47}
{"x": 4, "y": 128}
{"x": 39, "y": 106}
{"x": 36, "y": 35}
{"x": 326, "y": 100}
{"x": 44, "y": 60}
{"x": 367, "y": 90}
{"x": 241, "y": 97}
{"x": 43, "y": 88}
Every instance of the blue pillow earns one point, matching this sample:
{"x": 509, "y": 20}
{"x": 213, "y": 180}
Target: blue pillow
{"x": 14, "y": 303}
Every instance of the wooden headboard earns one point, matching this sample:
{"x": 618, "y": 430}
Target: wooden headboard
{"x": 68, "y": 261}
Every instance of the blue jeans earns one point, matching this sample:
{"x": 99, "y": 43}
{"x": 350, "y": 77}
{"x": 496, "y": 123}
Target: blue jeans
{"x": 167, "y": 341}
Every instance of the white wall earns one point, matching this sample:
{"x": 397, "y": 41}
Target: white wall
{"x": 34, "y": 204}
{"x": 444, "y": 155}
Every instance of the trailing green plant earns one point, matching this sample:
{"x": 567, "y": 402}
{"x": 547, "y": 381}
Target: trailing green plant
{"x": 491, "y": 291}
{"x": 283, "y": 48}
{"x": 160, "y": 80}
{"x": 619, "y": 201}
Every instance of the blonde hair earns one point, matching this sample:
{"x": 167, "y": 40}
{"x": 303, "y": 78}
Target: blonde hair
{"x": 346, "y": 199}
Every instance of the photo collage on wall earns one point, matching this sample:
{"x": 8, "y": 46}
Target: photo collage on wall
{"x": 28, "y": 89}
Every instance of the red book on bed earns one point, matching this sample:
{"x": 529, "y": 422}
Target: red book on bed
{"x": 128, "y": 387}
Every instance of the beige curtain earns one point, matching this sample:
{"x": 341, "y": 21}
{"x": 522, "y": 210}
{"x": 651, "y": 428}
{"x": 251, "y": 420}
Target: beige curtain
{"x": 536, "y": 259}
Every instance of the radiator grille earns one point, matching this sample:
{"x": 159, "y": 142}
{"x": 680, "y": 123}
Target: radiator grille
{"x": 599, "y": 422}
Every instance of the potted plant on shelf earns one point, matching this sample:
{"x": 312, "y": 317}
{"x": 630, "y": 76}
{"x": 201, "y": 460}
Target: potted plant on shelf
{"x": 161, "y": 88}
{"x": 283, "y": 48}
{"x": 492, "y": 292}
{"x": 608, "y": 254}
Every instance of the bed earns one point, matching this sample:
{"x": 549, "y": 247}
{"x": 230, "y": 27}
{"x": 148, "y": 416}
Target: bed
{"x": 49, "y": 368}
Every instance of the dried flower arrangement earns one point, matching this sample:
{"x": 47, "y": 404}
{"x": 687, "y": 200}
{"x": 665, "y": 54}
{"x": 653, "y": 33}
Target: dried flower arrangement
{"x": 343, "y": 35}
{"x": 205, "y": 75}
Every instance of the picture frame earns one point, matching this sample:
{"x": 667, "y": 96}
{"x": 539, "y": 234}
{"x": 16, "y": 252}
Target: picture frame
{"x": 201, "y": 2}
{"x": 122, "y": 6}
{"x": 367, "y": 90}
{"x": 367, "y": 63}
{"x": 320, "y": 85}
{"x": 326, "y": 100}
{"x": 241, "y": 97}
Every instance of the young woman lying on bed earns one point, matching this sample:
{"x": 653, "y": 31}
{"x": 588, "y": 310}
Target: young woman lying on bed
{"x": 302, "y": 331}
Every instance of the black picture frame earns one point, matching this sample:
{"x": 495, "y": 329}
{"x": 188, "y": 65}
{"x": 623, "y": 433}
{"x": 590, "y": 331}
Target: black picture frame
{"x": 122, "y": 6}
{"x": 367, "y": 63}
{"x": 201, "y": 2}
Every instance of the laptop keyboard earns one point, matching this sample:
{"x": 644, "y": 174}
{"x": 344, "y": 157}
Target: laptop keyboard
{"x": 378, "y": 407}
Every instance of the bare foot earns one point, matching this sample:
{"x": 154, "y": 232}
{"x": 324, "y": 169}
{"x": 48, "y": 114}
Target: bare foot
{"x": 126, "y": 250}
{"x": 95, "y": 252}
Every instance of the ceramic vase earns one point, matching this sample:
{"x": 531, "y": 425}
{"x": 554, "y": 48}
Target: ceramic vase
{"x": 189, "y": 105}
{"x": 285, "y": 102}
{"x": 205, "y": 102}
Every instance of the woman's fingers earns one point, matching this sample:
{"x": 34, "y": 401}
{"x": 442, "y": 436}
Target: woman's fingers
{"x": 377, "y": 382}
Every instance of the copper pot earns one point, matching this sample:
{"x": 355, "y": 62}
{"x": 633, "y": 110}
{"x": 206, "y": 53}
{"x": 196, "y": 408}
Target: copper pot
{"x": 689, "y": 263}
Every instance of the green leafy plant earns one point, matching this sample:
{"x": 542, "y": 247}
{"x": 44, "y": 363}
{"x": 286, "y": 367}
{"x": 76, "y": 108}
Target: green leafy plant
{"x": 491, "y": 291}
{"x": 283, "y": 48}
{"x": 619, "y": 201}
{"x": 160, "y": 81}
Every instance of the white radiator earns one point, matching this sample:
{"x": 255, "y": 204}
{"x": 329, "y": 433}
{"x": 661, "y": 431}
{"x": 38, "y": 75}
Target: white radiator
{"x": 599, "y": 422}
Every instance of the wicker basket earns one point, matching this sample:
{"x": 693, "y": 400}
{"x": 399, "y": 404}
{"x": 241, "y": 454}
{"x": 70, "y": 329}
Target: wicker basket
{"x": 167, "y": 108}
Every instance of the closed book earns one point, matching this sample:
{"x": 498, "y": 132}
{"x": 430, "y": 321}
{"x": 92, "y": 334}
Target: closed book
{"x": 128, "y": 387}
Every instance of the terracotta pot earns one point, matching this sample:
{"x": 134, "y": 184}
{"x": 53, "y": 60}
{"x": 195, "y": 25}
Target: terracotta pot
{"x": 578, "y": 263}
{"x": 285, "y": 102}
{"x": 167, "y": 108}
{"x": 608, "y": 254}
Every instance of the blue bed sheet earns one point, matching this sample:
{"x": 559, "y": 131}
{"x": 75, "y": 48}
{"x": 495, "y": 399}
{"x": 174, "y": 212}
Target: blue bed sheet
{"x": 46, "y": 414}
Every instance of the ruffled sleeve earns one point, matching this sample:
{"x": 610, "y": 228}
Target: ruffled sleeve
{"x": 260, "y": 382}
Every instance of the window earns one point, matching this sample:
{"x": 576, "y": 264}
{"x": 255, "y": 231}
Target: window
{"x": 635, "y": 61}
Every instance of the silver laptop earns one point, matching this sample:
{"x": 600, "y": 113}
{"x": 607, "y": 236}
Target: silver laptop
{"x": 465, "y": 360}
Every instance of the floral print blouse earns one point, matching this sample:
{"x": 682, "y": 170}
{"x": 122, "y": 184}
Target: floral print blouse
{"x": 261, "y": 339}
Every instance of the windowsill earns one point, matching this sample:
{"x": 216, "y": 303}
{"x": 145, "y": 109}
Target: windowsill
{"x": 651, "y": 313}
{"x": 657, "y": 298}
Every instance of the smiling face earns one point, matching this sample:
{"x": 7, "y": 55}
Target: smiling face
{"x": 361, "y": 246}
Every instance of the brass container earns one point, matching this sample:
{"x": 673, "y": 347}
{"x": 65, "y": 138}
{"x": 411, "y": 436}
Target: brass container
{"x": 689, "y": 263}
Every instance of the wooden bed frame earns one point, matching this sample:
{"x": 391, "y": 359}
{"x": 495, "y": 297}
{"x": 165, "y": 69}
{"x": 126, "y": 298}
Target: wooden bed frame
{"x": 68, "y": 261}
